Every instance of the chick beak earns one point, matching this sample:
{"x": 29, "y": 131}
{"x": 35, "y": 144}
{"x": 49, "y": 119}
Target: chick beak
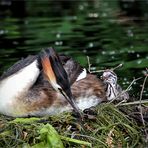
{"x": 104, "y": 77}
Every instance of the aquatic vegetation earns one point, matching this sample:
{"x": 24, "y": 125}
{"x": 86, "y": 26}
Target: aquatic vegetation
{"x": 109, "y": 127}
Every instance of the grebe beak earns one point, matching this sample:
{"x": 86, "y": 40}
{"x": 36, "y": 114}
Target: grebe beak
{"x": 57, "y": 76}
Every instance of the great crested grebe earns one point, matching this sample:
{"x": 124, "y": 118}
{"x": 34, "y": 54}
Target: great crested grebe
{"x": 38, "y": 86}
{"x": 24, "y": 91}
{"x": 113, "y": 89}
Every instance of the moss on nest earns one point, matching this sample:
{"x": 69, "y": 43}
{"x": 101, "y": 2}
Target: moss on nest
{"x": 109, "y": 127}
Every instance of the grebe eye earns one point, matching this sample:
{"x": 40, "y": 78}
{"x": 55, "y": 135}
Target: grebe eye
{"x": 109, "y": 75}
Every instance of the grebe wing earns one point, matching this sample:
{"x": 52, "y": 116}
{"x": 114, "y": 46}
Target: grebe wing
{"x": 18, "y": 66}
{"x": 72, "y": 68}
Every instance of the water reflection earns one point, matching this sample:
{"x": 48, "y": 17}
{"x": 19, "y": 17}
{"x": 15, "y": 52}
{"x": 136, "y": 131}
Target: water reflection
{"x": 93, "y": 30}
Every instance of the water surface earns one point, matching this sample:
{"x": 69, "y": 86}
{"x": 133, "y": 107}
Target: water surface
{"x": 96, "y": 29}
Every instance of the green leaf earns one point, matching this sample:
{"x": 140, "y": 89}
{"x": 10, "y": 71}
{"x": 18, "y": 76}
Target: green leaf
{"x": 49, "y": 138}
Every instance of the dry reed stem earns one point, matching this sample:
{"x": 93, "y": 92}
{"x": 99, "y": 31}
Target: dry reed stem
{"x": 140, "y": 105}
{"x": 126, "y": 90}
{"x": 109, "y": 139}
{"x": 89, "y": 65}
{"x": 98, "y": 71}
{"x": 135, "y": 103}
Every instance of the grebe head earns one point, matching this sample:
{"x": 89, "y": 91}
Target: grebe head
{"x": 109, "y": 77}
{"x": 56, "y": 75}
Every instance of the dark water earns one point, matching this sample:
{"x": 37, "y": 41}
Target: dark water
{"x": 109, "y": 32}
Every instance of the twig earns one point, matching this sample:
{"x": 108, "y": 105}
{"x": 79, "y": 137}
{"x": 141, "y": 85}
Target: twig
{"x": 89, "y": 65}
{"x": 140, "y": 102}
{"x": 141, "y": 114}
{"x": 118, "y": 66}
{"x": 112, "y": 69}
{"x": 124, "y": 91}
{"x": 134, "y": 103}
{"x": 98, "y": 71}
{"x": 134, "y": 80}
{"x": 109, "y": 139}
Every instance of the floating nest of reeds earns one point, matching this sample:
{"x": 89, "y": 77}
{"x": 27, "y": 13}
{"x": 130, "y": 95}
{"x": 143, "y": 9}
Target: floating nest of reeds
{"x": 106, "y": 125}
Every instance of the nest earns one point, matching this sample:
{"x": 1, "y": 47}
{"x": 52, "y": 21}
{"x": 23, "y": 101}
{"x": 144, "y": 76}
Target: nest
{"x": 106, "y": 125}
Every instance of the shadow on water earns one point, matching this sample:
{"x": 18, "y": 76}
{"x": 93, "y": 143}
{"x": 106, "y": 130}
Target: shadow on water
{"x": 109, "y": 32}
